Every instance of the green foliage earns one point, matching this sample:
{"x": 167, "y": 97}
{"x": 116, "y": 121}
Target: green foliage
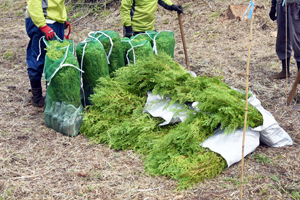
{"x": 139, "y": 48}
{"x": 117, "y": 118}
{"x": 116, "y": 58}
{"x": 9, "y": 55}
{"x": 56, "y": 49}
{"x": 94, "y": 65}
{"x": 296, "y": 195}
{"x": 63, "y": 111}
{"x": 261, "y": 158}
{"x": 165, "y": 42}
{"x": 274, "y": 178}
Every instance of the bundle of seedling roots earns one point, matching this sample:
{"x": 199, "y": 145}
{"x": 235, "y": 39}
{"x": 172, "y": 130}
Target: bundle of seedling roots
{"x": 116, "y": 117}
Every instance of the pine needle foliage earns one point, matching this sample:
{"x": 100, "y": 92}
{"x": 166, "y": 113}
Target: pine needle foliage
{"x": 117, "y": 118}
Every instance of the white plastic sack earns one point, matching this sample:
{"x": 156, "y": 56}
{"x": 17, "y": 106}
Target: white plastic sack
{"x": 155, "y": 106}
{"x": 271, "y": 133}
{"x": 229, "y": 146}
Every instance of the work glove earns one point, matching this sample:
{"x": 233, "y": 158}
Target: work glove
{"x": 177, "y": 8}
{"x": 129, "y": 31}
{"x": 272, "y": 13}
{"x": 48, "y": 32}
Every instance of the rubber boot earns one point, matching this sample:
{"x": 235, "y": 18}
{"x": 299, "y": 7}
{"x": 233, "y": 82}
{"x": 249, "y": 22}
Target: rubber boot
{"x": 37, "y": 99}
{"x": 282, "y": 74}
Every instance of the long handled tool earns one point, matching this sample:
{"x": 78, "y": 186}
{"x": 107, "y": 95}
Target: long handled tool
{"x": 183, "y": 41}
{"x": 292, "y": 93}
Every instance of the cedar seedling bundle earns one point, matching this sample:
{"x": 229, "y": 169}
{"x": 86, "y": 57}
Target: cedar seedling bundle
{"x": 63, "y": 111}
{"x": 92, "y": 58}
{"x": 117, "y": 118}
{"x": 136, "y": 49}
{"x": 111, "y": 39}
{"x": 165, "y": 42}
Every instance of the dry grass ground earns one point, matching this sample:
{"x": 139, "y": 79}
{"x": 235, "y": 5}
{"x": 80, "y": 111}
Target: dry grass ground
{"x": 38, "y": 163}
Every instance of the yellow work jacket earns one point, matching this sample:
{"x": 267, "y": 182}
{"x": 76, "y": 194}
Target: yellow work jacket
{"x": 40, "y": 10}
{"x": 140, "y": 14}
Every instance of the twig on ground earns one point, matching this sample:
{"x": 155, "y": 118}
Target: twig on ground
{"x": 33, "y": 176}
{"x": 145, "y": 190}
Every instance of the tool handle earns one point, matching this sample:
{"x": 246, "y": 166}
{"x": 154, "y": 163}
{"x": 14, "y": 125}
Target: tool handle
{"x": 68, "y": 35}
{"x": 293, "y": 91}
{"x": 183, "y": 41}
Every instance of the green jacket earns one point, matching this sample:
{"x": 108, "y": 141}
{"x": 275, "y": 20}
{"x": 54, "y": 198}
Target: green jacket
{"x": 40, "y": 10}
{"x": 140, "y": 14}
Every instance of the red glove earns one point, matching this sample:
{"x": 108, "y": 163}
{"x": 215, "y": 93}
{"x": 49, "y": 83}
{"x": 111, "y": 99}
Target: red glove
{"x": 48, "y": 32}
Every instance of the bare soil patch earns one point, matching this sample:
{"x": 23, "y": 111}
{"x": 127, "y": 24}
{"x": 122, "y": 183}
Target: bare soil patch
{"x": 38, "y": 163}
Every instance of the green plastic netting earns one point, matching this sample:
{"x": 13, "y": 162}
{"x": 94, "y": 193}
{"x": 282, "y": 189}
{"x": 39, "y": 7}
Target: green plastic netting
{"x": 162, "y": 41}
{"x": 63, "y": 111}
{"x": 93, "y": 61}
{"x": 111, "y": 42}
{"x": 148, "y": 35}
{"x": 135, "y": 49}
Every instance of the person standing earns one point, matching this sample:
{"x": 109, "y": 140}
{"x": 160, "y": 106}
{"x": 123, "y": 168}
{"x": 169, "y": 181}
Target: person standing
{"x": 138, "y": 16}
{"x": 293, "y": 33}
{"x": 43, "y": 18}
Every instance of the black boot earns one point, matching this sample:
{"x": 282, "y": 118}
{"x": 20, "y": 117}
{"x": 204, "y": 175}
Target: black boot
{"x": 298, "y": 65}
{"x": 282, "y": 74}
{"x": 37, "y": 99}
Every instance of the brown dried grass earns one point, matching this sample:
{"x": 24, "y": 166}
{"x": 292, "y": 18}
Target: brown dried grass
{"x": 38, "y": 163}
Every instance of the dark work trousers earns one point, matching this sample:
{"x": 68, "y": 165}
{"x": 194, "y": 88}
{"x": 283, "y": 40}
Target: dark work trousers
{"x": 36, "y": 46}
{"x": 293, "y": 31}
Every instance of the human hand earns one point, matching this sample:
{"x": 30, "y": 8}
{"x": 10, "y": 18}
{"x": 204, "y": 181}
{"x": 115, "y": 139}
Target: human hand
{"x": 129, "y": 31}
{"x": 178, "y": 8}
{"x": 48, "y": 32}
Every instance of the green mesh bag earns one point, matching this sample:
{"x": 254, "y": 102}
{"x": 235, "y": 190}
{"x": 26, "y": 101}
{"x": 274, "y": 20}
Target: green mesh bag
{"x": 148, "y": 35}
{"x": 136, "y": 49}
{"x": 111, "y": 42}
{"x": 63, "y": 111}
{"x": 93, "y": 61}
{"x": 164, "y": 41}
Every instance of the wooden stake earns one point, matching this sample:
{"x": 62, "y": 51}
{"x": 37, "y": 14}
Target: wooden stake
{"x": 246, "y": 109}
{"x": 183, "y": 41}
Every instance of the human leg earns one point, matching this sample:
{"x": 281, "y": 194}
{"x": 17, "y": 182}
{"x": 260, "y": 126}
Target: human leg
{"x": 283, "y": 43}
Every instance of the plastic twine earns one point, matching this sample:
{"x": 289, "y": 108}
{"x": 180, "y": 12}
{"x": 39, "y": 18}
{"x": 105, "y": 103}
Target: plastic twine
{"x": 37, "y": 59}
{"x": 251, "y": 4}
{"x": 132, "y": 49}
{"x": 154, "y": 40}
{"x": 81, "y": 64}
{"x": 97, "y": 38}
{"x": 61, "y": 65}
